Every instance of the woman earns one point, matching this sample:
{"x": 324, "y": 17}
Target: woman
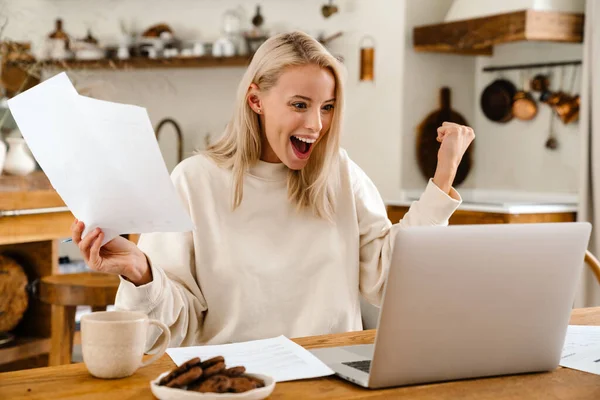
{"x": 289, "y": 232}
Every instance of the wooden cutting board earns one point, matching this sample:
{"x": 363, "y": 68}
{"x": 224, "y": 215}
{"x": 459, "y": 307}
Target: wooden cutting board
{"x": 428, "y": 146}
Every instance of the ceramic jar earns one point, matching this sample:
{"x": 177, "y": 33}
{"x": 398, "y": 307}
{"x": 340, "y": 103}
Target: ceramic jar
{"x": 18, "y": 159}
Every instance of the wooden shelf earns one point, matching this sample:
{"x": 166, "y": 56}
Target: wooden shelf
{"x": 24, "y": 347}
{"x": 478, "y": 36}
{"x": 145, "y": 63}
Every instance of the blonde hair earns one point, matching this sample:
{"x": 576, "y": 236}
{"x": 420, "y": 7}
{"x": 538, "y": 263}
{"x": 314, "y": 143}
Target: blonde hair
{"x": 313, "y": 186}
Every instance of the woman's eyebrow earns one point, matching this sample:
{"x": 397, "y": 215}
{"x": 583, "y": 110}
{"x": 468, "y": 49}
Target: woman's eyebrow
{"x": 299, "y": 96}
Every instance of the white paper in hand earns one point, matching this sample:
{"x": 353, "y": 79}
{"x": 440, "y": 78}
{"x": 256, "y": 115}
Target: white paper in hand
{"x": 101, "y": 157}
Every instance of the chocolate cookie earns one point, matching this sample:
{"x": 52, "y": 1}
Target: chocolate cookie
{"x": 241, "y": 384}
{"x": 259, "y": 382}
{"x": 179, "y": 370}
{"x": 214, "y": 369}
{"x": 234, "y": 371}
{"x": 214, "y": 384}
{"x": 186, "y": 378}
{"x": 212, "y": 361}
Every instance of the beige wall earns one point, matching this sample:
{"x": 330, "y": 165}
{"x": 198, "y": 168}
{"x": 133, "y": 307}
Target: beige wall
{"x": 424, "y": 75}
{"x": 200, "y": 99}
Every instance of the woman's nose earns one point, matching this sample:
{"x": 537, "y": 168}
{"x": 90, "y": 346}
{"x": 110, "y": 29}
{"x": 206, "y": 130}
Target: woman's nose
{"x": 314, "y": 121}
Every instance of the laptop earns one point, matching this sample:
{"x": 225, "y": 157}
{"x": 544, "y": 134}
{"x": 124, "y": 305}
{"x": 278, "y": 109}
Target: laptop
{"x": 470, "y": 301}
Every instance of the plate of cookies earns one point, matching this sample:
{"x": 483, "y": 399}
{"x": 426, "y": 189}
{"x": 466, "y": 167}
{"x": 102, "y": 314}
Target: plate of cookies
{"x": 211, "y": 379}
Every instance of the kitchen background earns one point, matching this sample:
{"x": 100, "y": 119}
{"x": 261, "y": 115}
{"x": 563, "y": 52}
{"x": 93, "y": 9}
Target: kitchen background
{"x": 510, "y": 159}
{"x": 511, "y": 164}
{"x": 514, "y": 176}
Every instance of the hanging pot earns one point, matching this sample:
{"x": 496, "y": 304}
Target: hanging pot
{"x": 540, "y": 83}
{"x": 567, "y": 107}
{"x": 329, "y": 9}
{"x": 524, "y": 106}
{"x": 497, "y": 100}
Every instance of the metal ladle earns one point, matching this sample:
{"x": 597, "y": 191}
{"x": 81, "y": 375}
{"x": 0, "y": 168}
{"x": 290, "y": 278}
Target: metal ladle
{"x": 551, "y": 142}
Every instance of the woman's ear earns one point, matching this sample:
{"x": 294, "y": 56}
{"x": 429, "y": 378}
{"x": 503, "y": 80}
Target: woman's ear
{"x": 254, "y": 98}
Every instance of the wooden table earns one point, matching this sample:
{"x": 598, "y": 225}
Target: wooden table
{"x": 74, "y": 382}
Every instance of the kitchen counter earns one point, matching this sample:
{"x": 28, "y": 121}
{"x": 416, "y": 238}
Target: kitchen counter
{"x": 503, "y": 202}
{"x": 28, "y": 192}
{"x": 503, "y": 208}
{"x": 31, "y": 210}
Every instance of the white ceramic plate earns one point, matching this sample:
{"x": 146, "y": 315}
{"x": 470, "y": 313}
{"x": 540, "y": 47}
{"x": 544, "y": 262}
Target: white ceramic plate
{"x": 166, "y": 393}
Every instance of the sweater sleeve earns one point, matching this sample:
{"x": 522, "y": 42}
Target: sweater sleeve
{"x": 377, "y": 233}
{"x": 173, "y": 296}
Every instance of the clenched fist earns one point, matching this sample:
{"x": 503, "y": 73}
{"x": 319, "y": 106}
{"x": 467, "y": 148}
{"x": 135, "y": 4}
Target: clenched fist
{"x": 455, "y": 140}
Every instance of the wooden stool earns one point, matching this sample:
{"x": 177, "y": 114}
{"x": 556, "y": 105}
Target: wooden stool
{"x": 67, "y": 291}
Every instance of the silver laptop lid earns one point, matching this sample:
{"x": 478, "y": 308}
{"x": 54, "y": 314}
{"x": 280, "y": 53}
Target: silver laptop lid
{"x": 477, "y": 300}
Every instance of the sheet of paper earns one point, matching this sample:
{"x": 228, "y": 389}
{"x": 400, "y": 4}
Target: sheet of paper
{"x": 101, "y": 157}
{"x": 278, "y": 357}
{"x": 581, "y": 350}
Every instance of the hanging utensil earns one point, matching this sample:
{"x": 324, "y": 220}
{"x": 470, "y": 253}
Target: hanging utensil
{"x": 540, "y": 83}
{"x": 257, "y": 19}
{"x": 555, "y": 97}
{"x": 567, "y": 107}
{"x": 524, "y": 106}
{"x": 367, "y": 59}
{"x": 552, "y": 141}
{"x": 329, "y": 9}
{"x": 497, "y": 99}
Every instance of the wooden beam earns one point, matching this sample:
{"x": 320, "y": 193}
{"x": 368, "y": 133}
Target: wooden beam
{"x": 478, "y": 36}
{"x": 554, "y": 26}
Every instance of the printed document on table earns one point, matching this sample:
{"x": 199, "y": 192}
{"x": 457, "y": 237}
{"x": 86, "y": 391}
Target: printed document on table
{"x": 581, "y": 350}
{"x": 101, "y": 157}
{"x": 278, "y": 357}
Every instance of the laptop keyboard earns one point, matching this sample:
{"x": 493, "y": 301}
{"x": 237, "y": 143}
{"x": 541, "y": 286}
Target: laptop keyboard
{"x": 364, "y": 366}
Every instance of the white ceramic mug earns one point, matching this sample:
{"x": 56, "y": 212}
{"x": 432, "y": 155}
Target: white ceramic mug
{"x": 113, "y": 342}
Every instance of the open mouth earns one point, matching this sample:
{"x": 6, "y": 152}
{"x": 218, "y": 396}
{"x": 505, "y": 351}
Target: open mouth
{"x": 302, "y": 146}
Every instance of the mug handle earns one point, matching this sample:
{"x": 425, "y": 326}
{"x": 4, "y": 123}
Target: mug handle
{"x": 163, "y": 346}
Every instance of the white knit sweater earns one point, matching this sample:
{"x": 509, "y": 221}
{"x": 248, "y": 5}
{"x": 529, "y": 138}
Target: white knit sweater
{"x": 264, "y": 269}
